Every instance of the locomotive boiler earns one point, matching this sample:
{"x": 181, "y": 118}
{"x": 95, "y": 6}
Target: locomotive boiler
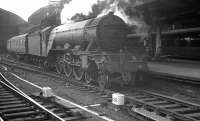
{"x": 93, "y": 50}
{"x": 105, "y": 33}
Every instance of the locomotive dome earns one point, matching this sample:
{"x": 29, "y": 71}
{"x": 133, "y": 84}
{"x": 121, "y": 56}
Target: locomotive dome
{"x": 108, "y": 33}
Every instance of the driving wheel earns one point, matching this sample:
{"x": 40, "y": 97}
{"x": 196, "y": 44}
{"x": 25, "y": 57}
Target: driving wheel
{"x": 78, "y": 72}
{"x": 59, "y": 67}
{"x": 67, "y": 68}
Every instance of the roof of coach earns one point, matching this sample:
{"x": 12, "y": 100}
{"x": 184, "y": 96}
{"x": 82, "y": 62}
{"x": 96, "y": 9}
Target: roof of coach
{"x": 18, "y": 37}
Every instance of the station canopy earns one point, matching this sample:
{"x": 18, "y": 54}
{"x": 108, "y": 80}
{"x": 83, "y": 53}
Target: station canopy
{"x": 169, "y": 10}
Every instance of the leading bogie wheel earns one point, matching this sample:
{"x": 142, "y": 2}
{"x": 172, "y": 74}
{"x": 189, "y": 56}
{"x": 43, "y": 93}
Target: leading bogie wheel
{"x": 126, "y": 77}
{"x": 67, "y": 67}
{"x": 104, "y": 81}
{"x": 91, "y": 73}
{"x": 59, "y": 65}
{"x": 90, "y": 77}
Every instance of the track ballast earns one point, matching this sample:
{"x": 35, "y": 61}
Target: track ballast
{"x": 142, "y": 104}
{"x": 17, "y": 106}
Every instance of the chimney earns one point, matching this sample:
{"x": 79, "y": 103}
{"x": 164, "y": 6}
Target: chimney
{"x": 111, "y": 13}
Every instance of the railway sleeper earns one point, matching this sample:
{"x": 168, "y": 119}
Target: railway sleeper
{"x": 162, "y": 103}
{"x": 12, "y": 106}
{"x": 37, "y": 118}
{"x": 2, "y": 89}
{"x": 194, "y": 115}
{"x": 7, "y": 96}
{"x": 145, "y": 97}
{"x": 179, "y": 109}
{"x": 23, "y": 114}
{"x": 185, "y": 112}
{"x": 12, "y": 102}
{"x": 9, "y": 99}
{"x": 4, "y": 93}
{"x": 169, "y": 106}
{"x": 152, "y": 100}
{"x": 13, "y": 110}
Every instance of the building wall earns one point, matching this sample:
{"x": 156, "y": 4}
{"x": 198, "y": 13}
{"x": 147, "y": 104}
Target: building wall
{"x": 6, "y": 32}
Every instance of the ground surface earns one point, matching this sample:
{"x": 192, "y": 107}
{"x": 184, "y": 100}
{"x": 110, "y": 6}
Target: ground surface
{"x": 181, "y": 69}
{"x": 71, "y": 93}
{"x": 174, "y": 89}
{"x": 179, "y": 90}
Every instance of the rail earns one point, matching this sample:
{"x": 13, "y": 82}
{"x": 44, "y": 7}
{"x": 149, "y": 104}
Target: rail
{"x": 30, "y": 104}
{"x": 154, "y": 106}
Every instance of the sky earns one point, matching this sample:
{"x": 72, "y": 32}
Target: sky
{"x": 24, "y": 8}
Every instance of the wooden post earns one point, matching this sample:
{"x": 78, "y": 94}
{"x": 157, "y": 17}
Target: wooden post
{"x": 158, "y": 41}
{"x": 149, "y": 45}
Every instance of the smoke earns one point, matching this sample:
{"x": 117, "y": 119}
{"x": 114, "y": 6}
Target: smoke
{"x": 78, "y": 10}
{"x": 125, "y": 9}
{"x": 83, "y": 7}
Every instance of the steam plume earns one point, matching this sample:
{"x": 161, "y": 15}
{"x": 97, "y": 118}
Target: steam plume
{"x": 125, "y": 10}
{"x": 122, "y": 8}
{"x": 76, "y": 6}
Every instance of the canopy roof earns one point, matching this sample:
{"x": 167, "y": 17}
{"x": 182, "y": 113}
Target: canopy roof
{"x": 169, "y": 10}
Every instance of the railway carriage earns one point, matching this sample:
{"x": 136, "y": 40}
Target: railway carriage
{"x": 17, "y": 45}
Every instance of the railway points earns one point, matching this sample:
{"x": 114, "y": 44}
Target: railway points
{"x": 140, "y": 102}
{"x": 71, "y": 105}
{"x": 67, "y": 102}
{"x": 15, "y": 105}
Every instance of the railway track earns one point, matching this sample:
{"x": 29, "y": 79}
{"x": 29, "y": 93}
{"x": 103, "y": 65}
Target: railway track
{"x": 17, "y": 106}
{"x": 147, "y": 105}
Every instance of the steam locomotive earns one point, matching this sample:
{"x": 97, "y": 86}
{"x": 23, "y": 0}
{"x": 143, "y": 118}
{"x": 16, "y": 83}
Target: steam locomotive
{"x": 93, "y": 50}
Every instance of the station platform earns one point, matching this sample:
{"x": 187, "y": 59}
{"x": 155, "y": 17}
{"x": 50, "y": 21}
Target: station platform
{"x": 176, "y": 69}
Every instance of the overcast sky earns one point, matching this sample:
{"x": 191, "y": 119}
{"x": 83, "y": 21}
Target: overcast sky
{"x": 24, "y": 8}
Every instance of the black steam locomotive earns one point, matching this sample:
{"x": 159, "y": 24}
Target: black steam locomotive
{"x": 93, "y": 50}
